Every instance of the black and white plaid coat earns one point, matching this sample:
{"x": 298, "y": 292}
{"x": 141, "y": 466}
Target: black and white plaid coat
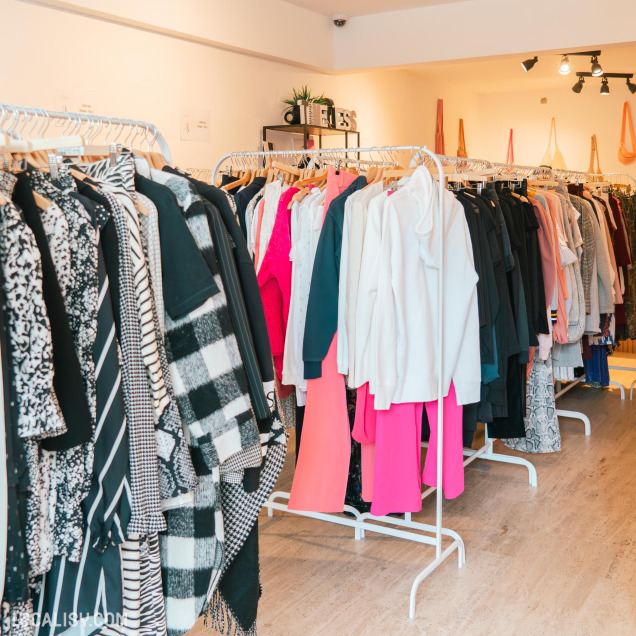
{"x": 211, "y": 389}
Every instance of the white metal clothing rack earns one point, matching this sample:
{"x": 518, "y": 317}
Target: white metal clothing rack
{"x": 21, "y": 122}
{"x": 404, "y": 528}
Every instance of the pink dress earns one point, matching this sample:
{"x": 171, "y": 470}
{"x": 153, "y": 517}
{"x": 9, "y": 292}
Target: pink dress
{"x": 320, "y": 480}
{"x": 274, "y": 280}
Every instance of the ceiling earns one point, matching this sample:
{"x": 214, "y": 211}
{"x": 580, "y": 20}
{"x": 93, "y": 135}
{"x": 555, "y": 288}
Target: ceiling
{"x": 363, "y": 7}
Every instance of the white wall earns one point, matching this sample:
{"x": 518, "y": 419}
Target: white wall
{"x": 126, "y": 72}
{"x": 274, "y": 29}
{"x": 578, "y": 117}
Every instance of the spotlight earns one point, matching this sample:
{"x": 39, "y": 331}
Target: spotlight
{"x": 564, "y": 68}
{"x": 632, "y": 87}
{"x": 596, "y": 67}
{"x": 605, "y": 87}
{"x": 578, "y": 87}
{"x": 528, "y": 64}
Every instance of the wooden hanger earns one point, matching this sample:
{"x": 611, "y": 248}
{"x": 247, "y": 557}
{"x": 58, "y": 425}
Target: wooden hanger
{"x": 244, "y": 180}
{"x": 371, "y": 173}
{"x": 141, "y": 208}
{"x": 394, "y": 174}
{"x": 317, "y": 178}
{"x": 3, "y": 201}
{"x": 542, "y": 183}
{"x": 40, "y": 201}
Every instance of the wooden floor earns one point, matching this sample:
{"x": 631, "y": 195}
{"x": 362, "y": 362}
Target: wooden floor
{"x": 559, "y": 559}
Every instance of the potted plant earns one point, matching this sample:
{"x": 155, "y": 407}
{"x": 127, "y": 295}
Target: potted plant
{"x": 291, "y": 114}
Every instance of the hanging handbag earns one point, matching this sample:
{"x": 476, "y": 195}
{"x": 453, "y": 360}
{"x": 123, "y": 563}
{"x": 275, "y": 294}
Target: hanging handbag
{"x": 594, "y": 153}
{"x": 625, "y": 156}
{"x": 461, "y": 145}
{"x": 510, "y": 155}
{"x": 553, "y": 159}
{"x": 439, "y": 129}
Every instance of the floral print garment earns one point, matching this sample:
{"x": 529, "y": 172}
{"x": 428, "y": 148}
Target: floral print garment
{"x": 71, "y": 472}
{"x": 32, "y": 359}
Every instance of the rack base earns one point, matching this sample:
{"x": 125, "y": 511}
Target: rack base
{"x": 406, "y": 528}
{"x": 577, "y": 415}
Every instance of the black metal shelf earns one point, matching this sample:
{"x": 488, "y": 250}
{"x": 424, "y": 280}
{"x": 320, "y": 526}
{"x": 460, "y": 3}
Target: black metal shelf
{"x": 308, "y": 130}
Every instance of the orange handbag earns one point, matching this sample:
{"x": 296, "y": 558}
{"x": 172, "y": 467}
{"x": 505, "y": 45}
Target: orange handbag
{"x": 439, "y": 129}
{"x": 461, "y": 145}
{"x": 625, "y": 156}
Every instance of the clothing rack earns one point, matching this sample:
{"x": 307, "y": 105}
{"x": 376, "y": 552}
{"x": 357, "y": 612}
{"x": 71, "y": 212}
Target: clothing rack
{"x": 586, "y": 177}
{"x": 20, "y": 123}
{"x": 202, "y": 174}
{"x": 404, "y": 528}
{"x": 546, "y": 172}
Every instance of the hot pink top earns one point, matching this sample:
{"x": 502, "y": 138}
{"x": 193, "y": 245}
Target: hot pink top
{"x": 274, "y": 280}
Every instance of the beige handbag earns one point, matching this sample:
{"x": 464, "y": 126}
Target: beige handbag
{"x": 594, "y": 154}
{"x": 625, "y": 156}
{"x": 553, "y": 159}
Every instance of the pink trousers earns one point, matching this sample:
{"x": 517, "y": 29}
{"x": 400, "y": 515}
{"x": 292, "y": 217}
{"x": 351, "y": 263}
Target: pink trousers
{"x": 320, "y": 480}
{"x": 391, "y": 452}
{"x": 453, "y": 467}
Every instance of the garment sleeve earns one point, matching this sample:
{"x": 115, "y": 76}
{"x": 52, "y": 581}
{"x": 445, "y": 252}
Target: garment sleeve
{"x": 367, "y": 294}
{"x": 461, "y": 353}
{"x": 322, "y": 308}
{"x": 384, "y": 336}
{"x": 343, "y": 336}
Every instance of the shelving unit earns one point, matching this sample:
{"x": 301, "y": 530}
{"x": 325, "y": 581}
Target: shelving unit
{"x": 307, "y": 131}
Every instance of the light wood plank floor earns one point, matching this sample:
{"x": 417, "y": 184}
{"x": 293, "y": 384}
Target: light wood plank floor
{"x": 559, "y": 559}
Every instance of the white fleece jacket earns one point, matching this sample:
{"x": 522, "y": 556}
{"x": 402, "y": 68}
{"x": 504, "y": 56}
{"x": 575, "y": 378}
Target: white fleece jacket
{"x": 406, "y": 309}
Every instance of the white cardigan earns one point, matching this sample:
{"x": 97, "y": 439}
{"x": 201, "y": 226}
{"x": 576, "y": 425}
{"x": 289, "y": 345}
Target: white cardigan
{"x": 406, "y": 307}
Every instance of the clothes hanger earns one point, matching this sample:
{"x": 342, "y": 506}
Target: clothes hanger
{"x": 244, "y": 180}
{"x": 40, "y": 201}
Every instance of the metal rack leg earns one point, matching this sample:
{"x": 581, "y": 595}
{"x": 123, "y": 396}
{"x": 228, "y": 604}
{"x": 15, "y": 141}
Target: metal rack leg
{"x": 622, "y": 388}
{"x": 424, "y": 573}
{"x": 508, "y": 459}
{"x": 575, "y": 415}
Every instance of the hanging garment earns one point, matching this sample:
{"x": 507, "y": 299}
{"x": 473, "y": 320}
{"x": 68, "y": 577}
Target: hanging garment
{"x": 353, "y": 243}
{"x": 248, "y": 281}
{"x": 223, "y": 261}
{"x": 365, "y": 343}
{"x": 541, "y": 422}
{"x": 461, "y": 144}
{"x": 439, "y": 129}
{"x": 397, "y": 481}
{"x": 306, "y": 223}
{"x": 16, "y": 592}
{"x": 212, "y": 395}
{"x": 176, "y": 474}
{"x": 553, "y": 158}
{"x": 407, "y": 351}
{"x": 453, "y": 456}
{"x": 233, "y": 606}
{"x": 627, "y": 156}
{"x": 274, "y": 279}
{"x": 320, "y": 481}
